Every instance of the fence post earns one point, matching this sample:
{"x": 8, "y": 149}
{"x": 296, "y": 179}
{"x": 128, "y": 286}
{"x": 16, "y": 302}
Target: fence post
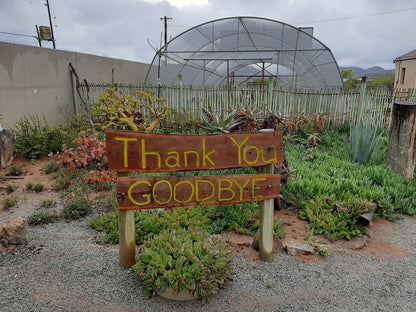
{"x": 127, "y": 235}
{"x": 270, "y": 98}
{"x": 181, "y": 97}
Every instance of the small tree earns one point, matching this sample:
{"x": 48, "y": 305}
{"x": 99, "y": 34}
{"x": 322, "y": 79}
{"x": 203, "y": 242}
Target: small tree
{"x": 143, "y": 113}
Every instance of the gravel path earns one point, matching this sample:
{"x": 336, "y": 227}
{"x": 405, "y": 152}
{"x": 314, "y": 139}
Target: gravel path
{"x": 68, "y": 271}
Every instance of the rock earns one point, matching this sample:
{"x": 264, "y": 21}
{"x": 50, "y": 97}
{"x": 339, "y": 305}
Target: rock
{"x": 299, "y": 249}
{"x": 277, "y": 244}
{"x": 14, "y": 231}
{"x": 356, "y": 242}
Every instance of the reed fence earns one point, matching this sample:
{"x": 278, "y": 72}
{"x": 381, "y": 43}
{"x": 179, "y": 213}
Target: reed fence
{"x": 369, "y": 104}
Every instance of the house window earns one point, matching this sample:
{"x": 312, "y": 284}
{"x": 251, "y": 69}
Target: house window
{"x": 402, "y": 74}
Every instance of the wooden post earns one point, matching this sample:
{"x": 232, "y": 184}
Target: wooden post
{"x": 7, "y": 149}
{"x": 127, "y": 235}
{"x": 401, "y": 155}
{"x": 266, "y": 223}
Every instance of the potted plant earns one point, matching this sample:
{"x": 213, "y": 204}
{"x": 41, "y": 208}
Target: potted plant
{"x": 184, "y": 264}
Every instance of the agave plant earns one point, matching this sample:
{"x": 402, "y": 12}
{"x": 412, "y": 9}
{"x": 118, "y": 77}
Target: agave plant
{"x": 220, "y": 121}
{"x": 182, "y": 260}
{"x": 364, "y": 144}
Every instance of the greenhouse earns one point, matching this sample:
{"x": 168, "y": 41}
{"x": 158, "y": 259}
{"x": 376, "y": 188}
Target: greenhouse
{"x": 245, "y": 50}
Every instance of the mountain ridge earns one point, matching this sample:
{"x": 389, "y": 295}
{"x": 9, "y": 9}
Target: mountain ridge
{"x": 375, "y": 71}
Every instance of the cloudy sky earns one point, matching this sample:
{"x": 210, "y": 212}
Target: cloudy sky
{"x": 361, "y": 33}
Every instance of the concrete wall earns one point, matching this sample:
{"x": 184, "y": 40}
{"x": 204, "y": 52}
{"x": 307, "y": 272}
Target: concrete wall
{"x": 408, "y": 67}
{"x": 38, "y": 80}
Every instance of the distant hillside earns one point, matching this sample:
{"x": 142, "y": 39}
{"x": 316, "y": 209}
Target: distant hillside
{"x": 375, "y": 71}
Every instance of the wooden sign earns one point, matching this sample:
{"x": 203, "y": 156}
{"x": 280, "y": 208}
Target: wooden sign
{"x": 168, "y": 192}
{"x": 151, "y": 152}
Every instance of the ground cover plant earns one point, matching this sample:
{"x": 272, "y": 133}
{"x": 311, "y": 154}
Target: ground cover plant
{"x": 331, "y": 192}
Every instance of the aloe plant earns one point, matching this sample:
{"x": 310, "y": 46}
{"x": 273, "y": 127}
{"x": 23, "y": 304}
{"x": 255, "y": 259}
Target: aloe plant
{"x": 220, "y": 121}
{"x": 364, "y": 144}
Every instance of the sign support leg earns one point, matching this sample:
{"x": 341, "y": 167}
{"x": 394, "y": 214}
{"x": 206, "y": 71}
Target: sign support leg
{"x": 266, "y": 223}
{"x": 127, "y": 237}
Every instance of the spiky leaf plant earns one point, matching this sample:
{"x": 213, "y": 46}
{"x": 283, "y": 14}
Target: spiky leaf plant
{"x": 186, "y": 261}
{"x": 220, "y": 121}
{"x": 364, "y": 144}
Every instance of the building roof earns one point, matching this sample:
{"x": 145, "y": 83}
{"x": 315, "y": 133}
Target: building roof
{"x": 408, "y": 56}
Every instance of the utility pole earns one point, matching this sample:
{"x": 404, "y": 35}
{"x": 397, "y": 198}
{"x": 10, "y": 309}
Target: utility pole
{"x": 165, "y": 19}
{"x": 50, "y": 23}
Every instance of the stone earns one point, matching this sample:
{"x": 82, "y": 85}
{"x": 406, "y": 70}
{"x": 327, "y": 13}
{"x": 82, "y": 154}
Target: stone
{"x": 277, "y": 244}
{"x": 299, "y": 249}
{"x": 14, "y": 231}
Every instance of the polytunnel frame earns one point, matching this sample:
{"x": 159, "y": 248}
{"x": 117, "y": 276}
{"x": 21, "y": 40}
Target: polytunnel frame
{"x": 248, "y": 57}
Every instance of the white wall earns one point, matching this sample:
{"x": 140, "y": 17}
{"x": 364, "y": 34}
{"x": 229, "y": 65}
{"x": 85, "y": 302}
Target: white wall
{"x": 38, "y": 80}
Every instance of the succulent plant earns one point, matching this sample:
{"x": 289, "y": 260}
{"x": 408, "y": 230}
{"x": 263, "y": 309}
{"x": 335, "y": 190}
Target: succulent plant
{"x": 220, "y": 121}
{"x": 190, "y": 261}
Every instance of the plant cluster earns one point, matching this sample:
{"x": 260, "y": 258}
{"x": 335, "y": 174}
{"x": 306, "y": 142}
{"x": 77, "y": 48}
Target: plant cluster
{"x": 186, "y": 260}
{"x": 42, "y": 217}
{"x": 9, "y": 202}
{"x": 10, "y": 188}
{"x": 242, "y": 218}
{"x": 34, "y": 138}
{"x": 141, "y": 113}
{"x": 15, "y": 171}
{"x": 330, "y": 191}
{"x": 364, "y": 144}
{"x": 335, "y": 219}
{"x": 51, "y": 167}
{"x": 35, "y": 187}
{"x": 88, "y": 150}
{"x": 100, "y": 180}
{"x": 77, "y": 208}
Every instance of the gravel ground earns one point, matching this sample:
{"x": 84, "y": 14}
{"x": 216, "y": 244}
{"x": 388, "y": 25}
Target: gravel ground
{"x": 66, "y": 270}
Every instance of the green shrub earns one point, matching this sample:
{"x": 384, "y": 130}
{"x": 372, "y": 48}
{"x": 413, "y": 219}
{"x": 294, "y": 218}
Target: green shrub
{"x": 62, "y": 183}
{"x": 10, "y": 188}
{"x": 34, "y": 138}
{"x": 77, "y": 208}
{"x": 47, "y": 203}
{"x": 9, "y": 202}
{"x": 51, "y": 167}
{"x": 185, "y": 260}
{"x": 42, "y": 217}
{"x": 29, "y": 186}
{"x": 15, "y": 171}
{"x": 38, "y": 187}
{"x": 335, "y": 219}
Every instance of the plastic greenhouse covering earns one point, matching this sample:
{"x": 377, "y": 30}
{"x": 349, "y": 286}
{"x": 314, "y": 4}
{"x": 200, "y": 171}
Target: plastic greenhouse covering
{"x": 241, "y": 50}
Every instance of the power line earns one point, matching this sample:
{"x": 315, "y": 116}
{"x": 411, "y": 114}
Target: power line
{"x": 357, "y": 16}
{"x": 14, "y": 34}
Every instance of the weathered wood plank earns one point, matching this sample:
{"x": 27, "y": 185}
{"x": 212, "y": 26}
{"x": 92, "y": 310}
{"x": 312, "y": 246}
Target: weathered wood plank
{"x": 167, "y": 192}
{"x": 127, "y": 237}
{"x": 266, "y": 223}
{"x": 150, "y": 152}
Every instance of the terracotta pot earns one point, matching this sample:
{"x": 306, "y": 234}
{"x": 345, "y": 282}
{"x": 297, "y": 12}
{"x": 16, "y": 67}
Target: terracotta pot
{"x": 172, "y": 294}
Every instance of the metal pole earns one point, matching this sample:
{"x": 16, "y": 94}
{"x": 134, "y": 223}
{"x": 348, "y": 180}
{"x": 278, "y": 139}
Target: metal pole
{"x": 37, "y": 32}
{"x": 50, "y": 23}
{"x": 165, "y": 19}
